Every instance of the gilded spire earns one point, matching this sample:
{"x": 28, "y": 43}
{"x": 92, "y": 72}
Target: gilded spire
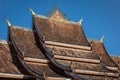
{"x": 56, "y": 15}
{"x": 30, "y": 9}
{"x": 101, "y": 39}
{"x": 8, "y": 23}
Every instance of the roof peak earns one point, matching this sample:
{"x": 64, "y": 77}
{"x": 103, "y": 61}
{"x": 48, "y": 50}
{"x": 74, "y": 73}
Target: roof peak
{"x": 22, "y": 28}
{"x": 56, "y": 14}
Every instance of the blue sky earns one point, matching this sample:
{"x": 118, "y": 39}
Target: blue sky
{"x": 100, "y": 17}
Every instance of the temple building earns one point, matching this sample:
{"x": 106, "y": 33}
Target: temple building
{"x": 55, "y": 49}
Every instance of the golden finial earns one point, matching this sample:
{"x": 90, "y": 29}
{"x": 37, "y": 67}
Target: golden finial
{"x": 30, "y": 9}
{"x": 8, "y": 23}
{"x": 80, "y": 21}
{"x": 101, "y": 39}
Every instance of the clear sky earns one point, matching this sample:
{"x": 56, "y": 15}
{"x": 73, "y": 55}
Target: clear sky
{"x": 100, "y": 17}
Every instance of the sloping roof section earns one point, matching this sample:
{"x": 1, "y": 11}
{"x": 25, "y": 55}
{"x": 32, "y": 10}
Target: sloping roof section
{"x": 6, "y": 62}
{"x": 9, "y": 67}
{"x": 116, "y": 59}
{"x": 99, "y": 48}
{"x": 80, "y": 60}
{"x": 56, "y": 31}
{"x": 33, "y": 57}
{"x": 27, "y": 44}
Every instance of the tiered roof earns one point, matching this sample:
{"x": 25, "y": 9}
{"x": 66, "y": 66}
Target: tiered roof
{"x": 55, "y": 49}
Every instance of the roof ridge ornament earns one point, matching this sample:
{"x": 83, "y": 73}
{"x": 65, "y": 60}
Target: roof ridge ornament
{"x": 53, "y": 50}
{"x": 8, "y": 22}
{"x": 80, "y": 21}
{"x": 101, "y": 39}
{"x": 30, "y": 9}
{"x": 44, "y": 72}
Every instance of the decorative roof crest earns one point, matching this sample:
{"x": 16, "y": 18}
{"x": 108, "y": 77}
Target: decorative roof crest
{"x": 30, "y": 9}
{"x": 8, "y": 23}
{"x": 56, "y": 15}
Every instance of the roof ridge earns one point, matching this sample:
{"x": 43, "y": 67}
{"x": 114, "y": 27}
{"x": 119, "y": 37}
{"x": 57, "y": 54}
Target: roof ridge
{"x": 23, "y": 28}
{"x": 45, "y": 17}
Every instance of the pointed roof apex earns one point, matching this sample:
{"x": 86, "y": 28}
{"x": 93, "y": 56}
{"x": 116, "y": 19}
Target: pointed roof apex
{"x": 80, "y": 21}
{"x": 30, "y": 9}
{"x": 8, "y": 23}
{"x": 56, "y": 14}
{"x": 101, "y": 39}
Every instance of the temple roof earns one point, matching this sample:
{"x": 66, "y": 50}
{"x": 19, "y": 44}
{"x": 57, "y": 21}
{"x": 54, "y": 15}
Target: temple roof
{"x": 82, "y": 53}
{"x": 55, "y": 49}
{"x": 61, "y": 32}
